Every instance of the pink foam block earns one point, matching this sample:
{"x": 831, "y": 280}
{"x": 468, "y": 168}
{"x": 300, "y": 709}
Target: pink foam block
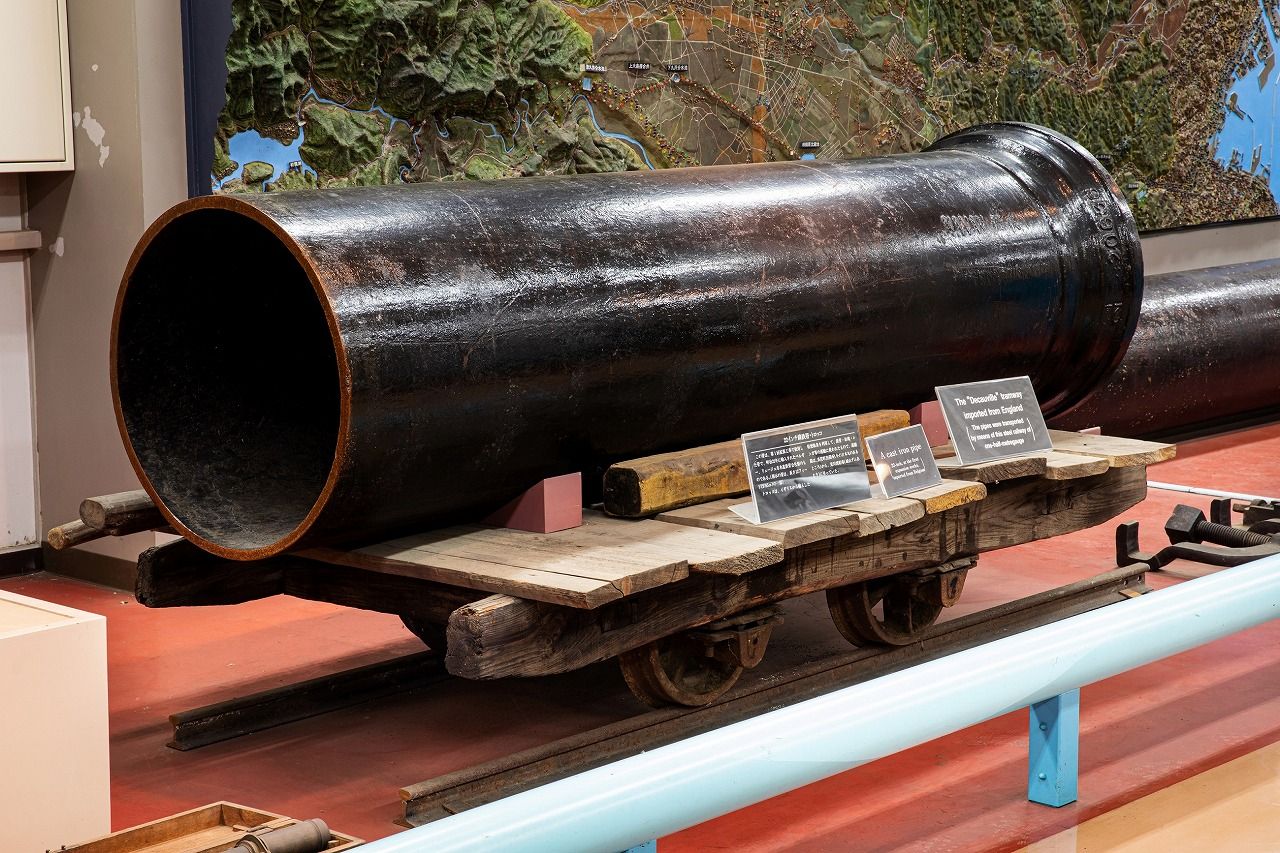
{"x": 1092, "y": 431}
{"x": 929, "y": 416}
{"x": 552, "y": 504}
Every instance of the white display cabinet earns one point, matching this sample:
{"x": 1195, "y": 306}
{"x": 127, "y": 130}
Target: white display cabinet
{"x": 54, "y": 759}
{"x": 35, "y": 115}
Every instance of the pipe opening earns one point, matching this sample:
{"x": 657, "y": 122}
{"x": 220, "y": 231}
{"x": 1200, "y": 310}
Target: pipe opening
{"x": 227, "y": 379}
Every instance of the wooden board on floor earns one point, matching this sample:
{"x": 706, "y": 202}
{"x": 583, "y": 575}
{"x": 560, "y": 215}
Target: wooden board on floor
{"x": 217, "y": 826}
{"x": 605, "y": 559}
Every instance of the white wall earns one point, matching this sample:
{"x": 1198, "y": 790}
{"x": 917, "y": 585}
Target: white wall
{"x": 1211, "y": 247}
{"x": 18, "y": 516}
{"x": 126, "y": 72}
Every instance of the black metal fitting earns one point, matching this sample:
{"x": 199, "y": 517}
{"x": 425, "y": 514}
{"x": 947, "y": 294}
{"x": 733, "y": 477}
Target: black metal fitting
{"x": 1188, "y": 524}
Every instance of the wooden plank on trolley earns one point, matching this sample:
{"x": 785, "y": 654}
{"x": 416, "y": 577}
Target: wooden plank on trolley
{"x": 862, "y": 518}
{"x": 876, "y": 515}
{"x": 1119, "y": 452}
{"x": 549, "y": 587}
{"x": 704, "y": 551}
{"x": 649, "y": 485}
{"x": 604, "y": 559}
{"x": 1072, "y": 466}
{"x": 789, "y": 532}
{"x": 995, "y": 471}
{"x": 502, "y": 636}
{"x": 948, "y": 494}
{"x": 636, "y": 555}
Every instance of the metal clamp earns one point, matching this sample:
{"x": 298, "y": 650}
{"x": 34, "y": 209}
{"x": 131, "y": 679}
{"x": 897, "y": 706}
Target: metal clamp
{"x": 741, "y": 639}
{"x": 1194, "y": 538}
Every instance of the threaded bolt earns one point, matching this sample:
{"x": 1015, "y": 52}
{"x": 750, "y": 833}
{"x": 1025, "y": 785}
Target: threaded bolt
{"x": 1188, "y": 524}
{"x": 1222, "y": 534}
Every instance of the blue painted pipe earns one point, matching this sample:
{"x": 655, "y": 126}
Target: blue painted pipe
{"x": 626, "y": 803}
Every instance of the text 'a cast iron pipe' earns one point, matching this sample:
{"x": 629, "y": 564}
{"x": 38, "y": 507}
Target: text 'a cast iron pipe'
{"x": 331, "y": 365}
{"x": 1206, "y": 352}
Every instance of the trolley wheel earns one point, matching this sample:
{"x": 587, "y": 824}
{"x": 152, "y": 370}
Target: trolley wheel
{"x": 432, "y": 633}
{"x": 697, "y": 667}
{"x": 677, "y": 671}
{"x": 895, "y": 610}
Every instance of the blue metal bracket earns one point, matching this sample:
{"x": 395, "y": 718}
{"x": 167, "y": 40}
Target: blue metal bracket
{"x": 647, "y": 847}
{"x": 1053, "y": 750}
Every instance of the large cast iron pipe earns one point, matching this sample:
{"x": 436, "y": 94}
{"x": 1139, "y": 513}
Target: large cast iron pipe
{"x": 1206, "y": 352}
{"x": 337, "y": 364}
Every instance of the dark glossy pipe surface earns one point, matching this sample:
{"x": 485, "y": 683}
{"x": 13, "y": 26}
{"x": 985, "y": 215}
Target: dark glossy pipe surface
{"x": 1206, "y": 352}
{"x": 331, "y": 365}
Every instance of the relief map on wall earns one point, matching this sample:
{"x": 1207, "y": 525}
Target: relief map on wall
{"x": 1178, "y": 98}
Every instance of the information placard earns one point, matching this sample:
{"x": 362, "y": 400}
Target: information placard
{"x": 993, "y": 419}
{"x": 903, "y": 461}
{"x": 802, "y": 468}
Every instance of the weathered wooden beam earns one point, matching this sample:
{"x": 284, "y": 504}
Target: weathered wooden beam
{"x": 72, "y": 533}
{"x": 178, "y": 574}
{"x": 501, "y": 636}
{"x": 121, "y": 513}
{"x": 654, "y": 484}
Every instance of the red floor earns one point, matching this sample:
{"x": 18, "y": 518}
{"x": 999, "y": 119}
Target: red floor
{"x": 1141, "y": 731}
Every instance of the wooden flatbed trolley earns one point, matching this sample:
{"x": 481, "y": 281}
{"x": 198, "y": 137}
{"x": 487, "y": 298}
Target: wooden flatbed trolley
{"x": 684, "y": 593}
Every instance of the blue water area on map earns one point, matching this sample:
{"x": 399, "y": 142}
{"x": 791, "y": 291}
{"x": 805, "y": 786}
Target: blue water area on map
{"x": 1253, "y": 108}
{"x": 248, "y": 146}
{"x": 592, "y": 112}
{"x": 311, "y": 93}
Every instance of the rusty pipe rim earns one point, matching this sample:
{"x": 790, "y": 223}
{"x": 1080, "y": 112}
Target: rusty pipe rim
{"x": 306, "y": 264}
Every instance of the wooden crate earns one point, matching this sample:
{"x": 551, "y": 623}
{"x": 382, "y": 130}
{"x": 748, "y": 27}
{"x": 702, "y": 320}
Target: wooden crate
{"x": 208, "y": 829}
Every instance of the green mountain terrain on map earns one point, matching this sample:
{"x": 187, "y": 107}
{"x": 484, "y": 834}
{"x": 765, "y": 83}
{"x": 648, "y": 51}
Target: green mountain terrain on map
{"x": 381, "y": 91}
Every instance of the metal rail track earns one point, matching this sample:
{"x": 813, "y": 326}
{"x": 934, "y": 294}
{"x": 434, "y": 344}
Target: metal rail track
{"x": 474, "y": 786}
{"x": 245, "y": 715}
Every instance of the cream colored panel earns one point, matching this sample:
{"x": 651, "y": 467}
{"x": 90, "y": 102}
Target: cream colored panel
{"x": 33, "y": 111}
{"x": 54, "y": 761}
